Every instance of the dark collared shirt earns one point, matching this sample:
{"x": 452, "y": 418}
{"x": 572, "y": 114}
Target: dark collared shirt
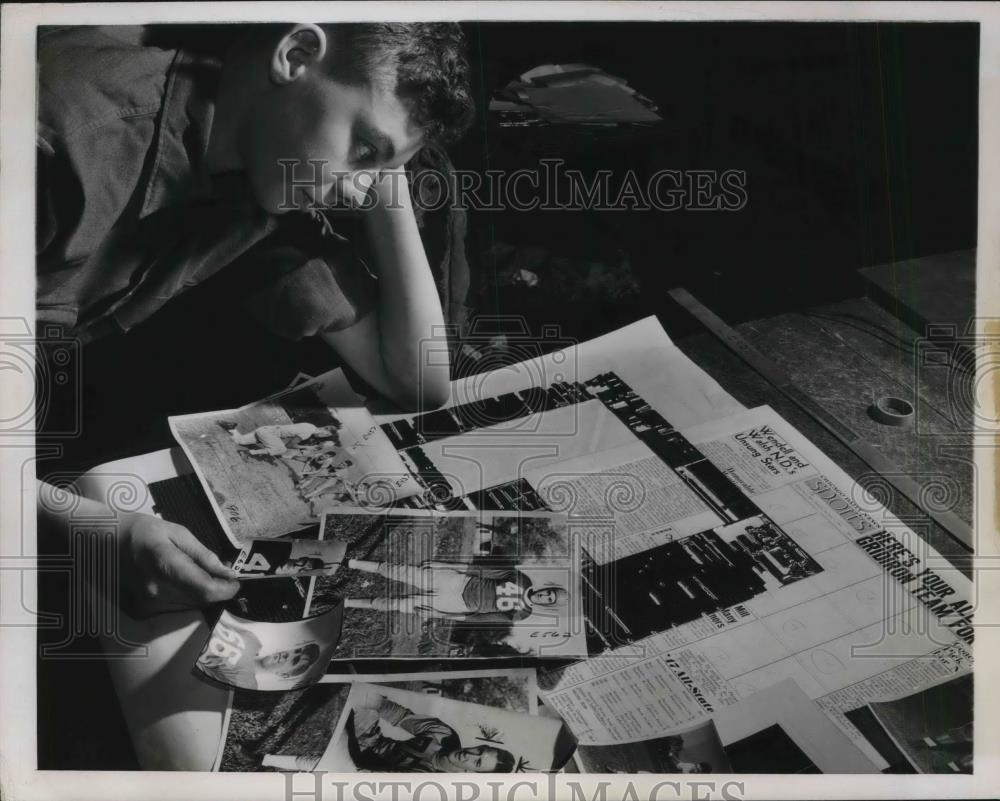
{"x": 430, "y": 737}
{"x": 128, "y": 216}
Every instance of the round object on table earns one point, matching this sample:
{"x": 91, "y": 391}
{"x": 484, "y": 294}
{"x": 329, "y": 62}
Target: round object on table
{"x": 892, "y": 411}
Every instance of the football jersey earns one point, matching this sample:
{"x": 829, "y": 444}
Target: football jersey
{"x": 230, "y": 656}
{"x": 491, "y": 591}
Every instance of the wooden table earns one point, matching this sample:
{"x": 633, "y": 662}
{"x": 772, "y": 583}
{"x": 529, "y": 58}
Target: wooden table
{"x": 844, "y": 356}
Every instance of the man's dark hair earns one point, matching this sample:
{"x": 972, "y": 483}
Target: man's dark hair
{"x": 505, "y": 760}
{"x": 312, "y": 653}
{"x": 425, "y": 62}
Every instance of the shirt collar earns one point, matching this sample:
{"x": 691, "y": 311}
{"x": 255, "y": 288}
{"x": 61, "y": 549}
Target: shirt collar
{"x": 178, "y": 171}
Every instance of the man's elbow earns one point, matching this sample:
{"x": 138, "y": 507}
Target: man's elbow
{"x": 427, "y": 391}
{"x": 435, "y": 391}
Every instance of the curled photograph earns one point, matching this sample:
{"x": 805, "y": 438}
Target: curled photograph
{"x": 254, "y": 655}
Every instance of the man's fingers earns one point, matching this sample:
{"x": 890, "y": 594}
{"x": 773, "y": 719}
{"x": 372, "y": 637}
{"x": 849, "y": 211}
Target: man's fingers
{"x": 202, "y": 556}
{"x": 192, "y": 582}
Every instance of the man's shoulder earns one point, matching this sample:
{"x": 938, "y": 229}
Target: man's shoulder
{"x": 88, "y": 76}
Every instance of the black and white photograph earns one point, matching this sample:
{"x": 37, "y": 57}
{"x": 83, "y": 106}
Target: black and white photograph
{"x": 256, "y": 655}
{"x": 291, "y": 731}
{"x": 389, "y": 730}
{"x": 415, "y": 584}
{"x": 278, "y": 558}
{"x": 556, "y": 391}
{"x": 932, "y": 728}
{"x": 271, "y": 468}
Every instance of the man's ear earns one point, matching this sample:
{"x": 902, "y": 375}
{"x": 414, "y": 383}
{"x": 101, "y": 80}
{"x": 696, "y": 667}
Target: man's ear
{"x": 299, "y": 50}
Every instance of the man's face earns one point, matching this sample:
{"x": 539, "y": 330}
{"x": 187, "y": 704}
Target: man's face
{"x": 545, "y": 597}
{"x": 481, "y": 759}
{"x": 287, "y": 662}
{"x": 292, "y": 566}
{"x": 352, "y": 133}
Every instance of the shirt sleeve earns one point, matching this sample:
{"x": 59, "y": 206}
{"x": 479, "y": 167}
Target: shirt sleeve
{"x": 393, "y": 712}
{"x": 298, "y": 291}
{"x": 45, "y": 199}
{"x": 427, "y": 726}
{"x": 271, "y": 439}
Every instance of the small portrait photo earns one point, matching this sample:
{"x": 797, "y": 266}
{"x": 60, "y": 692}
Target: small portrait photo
{"x": 254, "y": 655}
{"x": 282, "y": 558}
{"x": 291, "y": 731}
{"x": 390, "y": 730}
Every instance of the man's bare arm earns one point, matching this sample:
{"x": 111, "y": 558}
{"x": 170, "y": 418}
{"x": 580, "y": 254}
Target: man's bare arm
{"x": 387, "y": 347}
{"x": 162, "y": 567}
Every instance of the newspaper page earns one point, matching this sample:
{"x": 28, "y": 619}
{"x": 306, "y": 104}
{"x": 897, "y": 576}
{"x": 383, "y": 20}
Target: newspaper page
{"x": 533, "y": 416}
{"x": 292, "y": 730}
{"x": 805, "y": 578}
{"x": 694, "y": 750}
{"x": 270, "y": 468}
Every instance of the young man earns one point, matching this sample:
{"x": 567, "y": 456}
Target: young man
{"x": 459, "y": 592}
{"x": 434, "y": 746}
{"x": 157, "y": 169}
{"x": 273, "y": 440}
{"x": 233, "y": 657}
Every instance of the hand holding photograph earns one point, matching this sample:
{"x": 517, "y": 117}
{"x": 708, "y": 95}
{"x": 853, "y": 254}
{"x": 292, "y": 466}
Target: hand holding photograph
{"x": 281, "y": 557}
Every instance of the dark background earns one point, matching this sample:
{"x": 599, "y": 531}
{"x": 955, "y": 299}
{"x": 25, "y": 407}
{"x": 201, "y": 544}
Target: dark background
{"x": 859, "y": 144}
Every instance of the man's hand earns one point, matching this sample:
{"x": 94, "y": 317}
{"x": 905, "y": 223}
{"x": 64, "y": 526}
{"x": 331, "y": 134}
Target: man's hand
{"x": 164, "y": 568}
